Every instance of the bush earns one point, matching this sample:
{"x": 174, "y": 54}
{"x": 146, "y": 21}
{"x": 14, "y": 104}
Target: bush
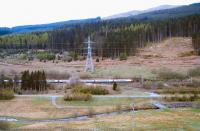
{"x": 23, "y": 56}
{"x": 81, "y": 58}
{"x": 114, "y": 86}
{"x": 80, "y": 88}
{"x": 74, "y": 55}
{"x": 4, "y": 125}
{"x": 194, "y": 72}
{"x": 2, "y": 55}
{"x": 6, "y": 94}
{"x": 67, "y": 58}
{"x": 77, "y": 97}
{"x": 45, "y": 56}
{"x": 85, "y": 75}
{"x": 97, "y": 60}
{"x": 123, "y": 56}
{"x": 198, "y": 52}
{"x": 179, "y": 90}
{"x": 94, "y": 90}
{"x": 183, "y": 98}
{"x": 168, "y": 74}
{"x": 189, "y": 53}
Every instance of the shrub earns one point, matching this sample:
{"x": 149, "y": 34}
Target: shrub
{"x": 4, "y": 125}
{"x": 114, "y": 86}
{"x": 81, "y": 58}
{"x": 147, "y": 85}
{"x": 45, "y": 56}
{"x": 183, "y": 98}
{"x": 74, "y": 55}
{"x": 85, "y": 75}
{"x": 77, "y": 97}
{"x": 2, "y": 55}
{"x": 23, "y": 56}
{"x": 168, "y": 74}
{"x": 67, "y": 58}
{"x": 123, "y": 56}
{"x": 198, "y": 52}
{"x": 97, "y": 60}
{"x": 179, "y": 90}
{"x": 194, "y": 72}
{"x": 94, "y": 90}
{"x": 189, "y": 53}
{"x": 6, "y": 94}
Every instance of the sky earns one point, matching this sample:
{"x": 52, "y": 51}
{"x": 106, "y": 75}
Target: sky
{"x": 29, "y": 12}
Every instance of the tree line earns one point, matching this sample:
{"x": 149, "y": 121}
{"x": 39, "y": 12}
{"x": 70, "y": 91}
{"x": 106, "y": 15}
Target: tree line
{"x": 30, "y": 81}
{"x": 111, "y": 37}
{"x": 33, "y": 81}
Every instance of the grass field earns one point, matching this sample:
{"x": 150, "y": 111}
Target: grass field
{"x": 42, "y": 108}
{"x": 104, "y": 102}
{"x": 185, "y": 119}
{"x": 122, "y": 71}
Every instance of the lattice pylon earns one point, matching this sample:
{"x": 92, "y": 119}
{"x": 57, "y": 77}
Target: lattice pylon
{"x": 89, "y": 67}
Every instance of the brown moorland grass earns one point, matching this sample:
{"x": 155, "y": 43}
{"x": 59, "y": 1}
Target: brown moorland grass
{"x": 170, "y": 119}
{"x": 42, "y": 108}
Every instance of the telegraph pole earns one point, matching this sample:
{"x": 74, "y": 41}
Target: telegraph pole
{"x": 89, "y": 64}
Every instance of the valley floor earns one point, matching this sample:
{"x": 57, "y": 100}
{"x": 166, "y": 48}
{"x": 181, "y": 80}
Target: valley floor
{"x": 184, "y": 119}
{"x": 172, "y": 53}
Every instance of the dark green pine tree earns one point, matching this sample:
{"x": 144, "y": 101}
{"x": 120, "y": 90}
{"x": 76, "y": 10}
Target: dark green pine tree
{"x": 44, "y": 81}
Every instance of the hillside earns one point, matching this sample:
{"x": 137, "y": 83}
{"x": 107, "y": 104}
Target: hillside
{"x": 111, "y": 38}
{"x": 155, "y": 56}
{"x": 168, "y": 53}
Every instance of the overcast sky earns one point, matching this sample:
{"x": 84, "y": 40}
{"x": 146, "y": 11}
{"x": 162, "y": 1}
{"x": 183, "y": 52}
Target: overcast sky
{"x": 23, "y": 12}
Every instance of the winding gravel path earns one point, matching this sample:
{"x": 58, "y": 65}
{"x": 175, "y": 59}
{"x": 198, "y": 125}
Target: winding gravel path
{"x": 54, "y": 97}
{"x": 152, "y": 95}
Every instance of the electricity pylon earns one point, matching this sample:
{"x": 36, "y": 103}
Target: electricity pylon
{"x": 89, "y": 67}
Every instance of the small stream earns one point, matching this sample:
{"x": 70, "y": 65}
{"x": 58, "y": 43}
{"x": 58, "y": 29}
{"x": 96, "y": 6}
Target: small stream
{"x": 158, "y": 106}
{"x": 68, "y": 119}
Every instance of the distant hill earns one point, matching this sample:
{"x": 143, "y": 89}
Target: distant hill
{"x": 157, "y": 13}
{"x": 44, "y": 27}
{"x": 170, "y": 13}
{"x": 136, "y": 12}
{"x": 4, "y": 31}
